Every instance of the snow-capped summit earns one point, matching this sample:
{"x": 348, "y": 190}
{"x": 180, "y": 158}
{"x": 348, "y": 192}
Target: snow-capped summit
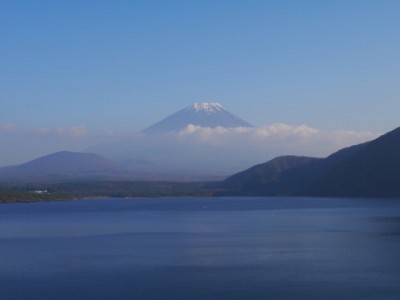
{"x": 200, "y": 114}
{"x": 206, "y": 107}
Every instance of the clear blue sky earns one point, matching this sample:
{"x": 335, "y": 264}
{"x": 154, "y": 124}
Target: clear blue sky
{"x": 123, "y": 65}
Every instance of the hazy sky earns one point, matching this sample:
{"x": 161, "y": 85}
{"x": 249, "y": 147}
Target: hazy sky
{"x": 69, "y": 69}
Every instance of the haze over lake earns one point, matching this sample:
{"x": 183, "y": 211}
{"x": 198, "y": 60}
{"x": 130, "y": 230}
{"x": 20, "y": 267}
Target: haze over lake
{"x": 201, "y": 248}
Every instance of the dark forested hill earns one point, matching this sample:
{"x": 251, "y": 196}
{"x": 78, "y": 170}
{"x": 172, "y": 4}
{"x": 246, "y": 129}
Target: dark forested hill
{"x": 267, "y": 178}
{"x": 374, "y": 170}
{"x": 369, "y": 169}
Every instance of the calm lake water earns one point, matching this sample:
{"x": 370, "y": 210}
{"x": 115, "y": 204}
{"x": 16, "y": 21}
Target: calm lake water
{"x": 201, "y": 248}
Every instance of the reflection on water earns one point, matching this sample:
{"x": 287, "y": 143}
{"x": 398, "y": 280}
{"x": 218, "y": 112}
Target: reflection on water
{"x": 204, "y": 248}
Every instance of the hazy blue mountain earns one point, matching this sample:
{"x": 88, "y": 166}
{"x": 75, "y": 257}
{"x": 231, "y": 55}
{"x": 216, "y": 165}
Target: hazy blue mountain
{"x": 268, "y": 178}
{"x": 368, "y": 169}
{"x": 285, "y": 174}
{"x": 374, "y": 170}
{"x": 63, "y": 165}
{"x": 200, "y": 114}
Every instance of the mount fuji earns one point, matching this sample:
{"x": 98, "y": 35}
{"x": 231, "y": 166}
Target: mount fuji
{"x": 199, "y": 114}
{"x": 160, "y": 152}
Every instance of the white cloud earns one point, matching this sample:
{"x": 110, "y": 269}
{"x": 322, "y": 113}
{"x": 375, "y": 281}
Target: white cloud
{"x": 8, "y": 127}
{"x": 78, "y": 131}
{"x": 277, "y": 130}
{"x": 283, "y": 131}
{"x": 279, "y": 135}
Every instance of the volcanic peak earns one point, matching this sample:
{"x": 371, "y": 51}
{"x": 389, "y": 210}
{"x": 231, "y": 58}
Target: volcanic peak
{"x": 199, "y": 114}
{"x": 206, "y": 107}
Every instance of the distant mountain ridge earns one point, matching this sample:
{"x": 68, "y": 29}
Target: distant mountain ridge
{"x": 374, "y": 170}
{"x": 199, "y": 114}
{"x": 368, "y": 169}
{"x": 63, "y": 165}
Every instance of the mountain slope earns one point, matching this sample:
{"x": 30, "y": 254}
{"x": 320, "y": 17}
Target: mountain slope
{"x": 372, "y": 171}
{"x": 291, "y": 175}
{"x": 267, "y": 178}
{"x": 200, "y": 114}
{"x": 63, "y": 165}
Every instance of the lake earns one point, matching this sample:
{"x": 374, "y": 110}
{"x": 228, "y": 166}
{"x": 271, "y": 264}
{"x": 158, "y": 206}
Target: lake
{"x": 201, "y": 248}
